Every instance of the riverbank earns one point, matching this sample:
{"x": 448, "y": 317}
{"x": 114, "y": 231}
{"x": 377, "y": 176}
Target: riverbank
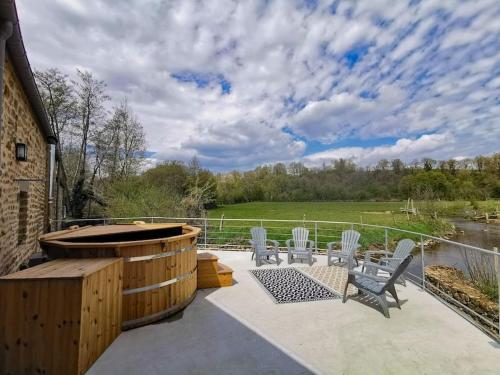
{"x": 448, "y": 281}
{"x": 463, "y": 209}
{"x": 481, "y": 235}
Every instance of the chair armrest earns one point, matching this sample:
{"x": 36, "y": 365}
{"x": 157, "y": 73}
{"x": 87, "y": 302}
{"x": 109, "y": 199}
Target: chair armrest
{"x": 289, "y": 244}
{"x": 274, "y": 242}
{"x": 252, "y": 242}
{"x": 372, "y": 277}
{"x": 368, "y": 254}
{"x": 311, "y": 244}
{"x": 378, "y": 252}
{"x": 329, "y": 245}
{"x": 379, "y": 267}
{"x": 392, "y": 258}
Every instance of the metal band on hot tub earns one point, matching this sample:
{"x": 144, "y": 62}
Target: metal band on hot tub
{"x": 158, "y": 315}
{"x": 159, "y": 255}
{"x": 159, "y": 285}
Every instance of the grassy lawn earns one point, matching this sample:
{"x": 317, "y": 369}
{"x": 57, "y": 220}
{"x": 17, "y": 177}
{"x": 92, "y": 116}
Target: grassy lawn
{"x": 367, "y": 212}
{"x": 380, "y": 213}
{"x": 383, "y": 213}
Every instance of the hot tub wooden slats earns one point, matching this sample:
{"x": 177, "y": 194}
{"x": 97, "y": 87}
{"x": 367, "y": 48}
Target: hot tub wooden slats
{"x": 146, "y": 274}
{"x": 153, "y": 271}
{"x": 159, "y": 276}
{"x": 147, "y": 305}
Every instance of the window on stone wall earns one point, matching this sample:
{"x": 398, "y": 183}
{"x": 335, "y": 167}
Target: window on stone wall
{"x": 23, "y": 217}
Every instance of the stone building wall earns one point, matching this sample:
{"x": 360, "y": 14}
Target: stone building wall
{"x": 20, "y": 125}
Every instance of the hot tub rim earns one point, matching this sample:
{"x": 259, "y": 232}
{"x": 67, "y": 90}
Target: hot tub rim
{"x": 195, "y": 231}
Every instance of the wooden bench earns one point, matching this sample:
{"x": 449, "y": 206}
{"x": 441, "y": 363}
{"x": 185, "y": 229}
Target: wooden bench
{"x": 60, "y": 316}
{"x": 211, "y": 273}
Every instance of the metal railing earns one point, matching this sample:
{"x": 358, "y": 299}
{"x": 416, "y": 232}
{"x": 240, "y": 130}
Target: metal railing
{"x": 234, "y": 234}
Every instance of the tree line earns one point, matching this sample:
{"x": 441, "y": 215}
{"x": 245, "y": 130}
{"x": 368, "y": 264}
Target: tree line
{"x": 173, "y": 188}
{"x": 342, "y": 179}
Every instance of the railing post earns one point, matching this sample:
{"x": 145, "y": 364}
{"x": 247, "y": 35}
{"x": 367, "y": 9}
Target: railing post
{"x": 152, "y": 220}
{"x": 386, "y": 240}
{"x": 316, "y": 237}
{"x": 423, "y": 264}
{"x": 497, "y": 268}
{"x": 205, "y": 234}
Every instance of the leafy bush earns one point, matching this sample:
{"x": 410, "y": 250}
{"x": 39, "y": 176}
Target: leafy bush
{"x": 481, "y": 270}
{"x": 132, "y": 197}
{"x": 474, "y": 204}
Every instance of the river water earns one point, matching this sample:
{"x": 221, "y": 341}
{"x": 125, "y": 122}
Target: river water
{"x": 473, "y": 233}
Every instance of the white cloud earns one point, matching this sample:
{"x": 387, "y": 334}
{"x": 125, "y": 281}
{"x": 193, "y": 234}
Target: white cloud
{"x": 242, "y": 144}
{"x": 344, "y": 114}
{"x": 405, "y": 149}
{"x": 428, "y": 68}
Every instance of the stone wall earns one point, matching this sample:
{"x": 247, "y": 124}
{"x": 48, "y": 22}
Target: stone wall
{"x": 20, "y": 125}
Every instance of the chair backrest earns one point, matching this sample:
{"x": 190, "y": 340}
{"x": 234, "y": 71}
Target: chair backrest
{"x": 300, "y": 237}
{"x": 403, "y": 249}
{"x": 399, "y": 270}
{"x": 259, "y": 236}
{"x": 350, "y": 240}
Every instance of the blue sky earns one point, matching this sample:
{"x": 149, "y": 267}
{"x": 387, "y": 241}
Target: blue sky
{"x": 240, "y": 83}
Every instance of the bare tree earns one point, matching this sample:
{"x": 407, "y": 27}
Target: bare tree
{"x": 90, "y": 94}
{"x": 382, "y": 165}
{"x": 134, "y": 146}
{"x": 397, "y": 166}
{"x": 100, "y": 140}
{"x": 126, "y": 143}
{"x": 429, "y": 164}
{"x": 59, "y": 99}
{"x": 198, "y": 198}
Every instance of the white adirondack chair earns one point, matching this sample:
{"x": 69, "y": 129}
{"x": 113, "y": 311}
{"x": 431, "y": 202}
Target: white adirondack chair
{"x": 300, "y": 247}
{"x": 376, "y": 286}
{"x": 390, "y": 261}
{"x": 259, "y": 243}
{"x": 348, "y": 246}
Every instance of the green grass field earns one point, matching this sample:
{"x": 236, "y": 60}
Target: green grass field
{"x": 383, "y": 213}
{"x": 367, "y": 212}
{"x": 379, "y": 213}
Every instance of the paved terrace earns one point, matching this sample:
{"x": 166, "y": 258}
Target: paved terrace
{"x": 240, "y": 330}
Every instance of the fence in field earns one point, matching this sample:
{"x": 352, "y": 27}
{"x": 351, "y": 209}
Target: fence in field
{"x": 482, "y": 266}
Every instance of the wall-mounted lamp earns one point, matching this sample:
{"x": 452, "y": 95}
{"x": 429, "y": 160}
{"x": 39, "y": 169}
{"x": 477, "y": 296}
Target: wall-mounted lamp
{"x": 21, "y": 152}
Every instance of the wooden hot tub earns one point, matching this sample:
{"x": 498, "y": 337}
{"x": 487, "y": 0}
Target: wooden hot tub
{"x": 159, "y": 273}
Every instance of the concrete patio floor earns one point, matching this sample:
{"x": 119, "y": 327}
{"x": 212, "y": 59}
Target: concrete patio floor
{"x": 240, "y": 330}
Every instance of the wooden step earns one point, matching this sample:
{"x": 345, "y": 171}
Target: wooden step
{"x": 224, "y": 275}
{"x": 211, "y": 273}
{"x": 207, "y": 257}
{"x": 222, "y": 269}
{"x": 207, "y": 264}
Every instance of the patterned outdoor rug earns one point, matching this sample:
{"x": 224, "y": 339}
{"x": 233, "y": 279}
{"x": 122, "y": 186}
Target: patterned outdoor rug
{"x": 333, "y": 277}
{"x": 286, "y": 285}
